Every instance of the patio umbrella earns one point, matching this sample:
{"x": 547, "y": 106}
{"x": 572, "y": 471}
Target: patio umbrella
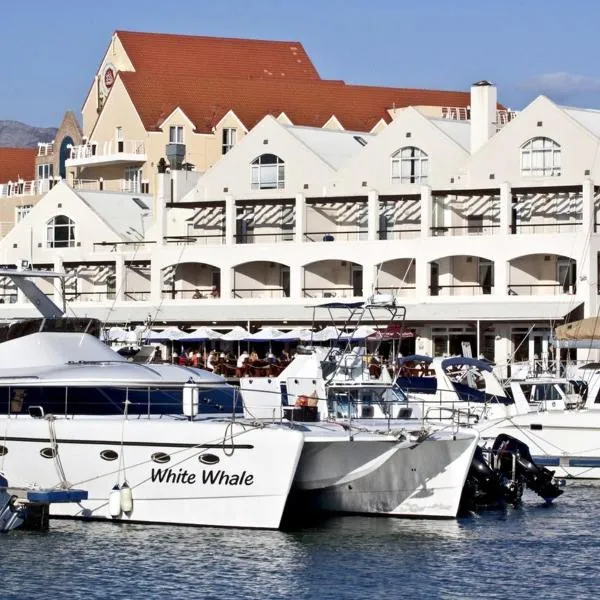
{"x": 201, "y": 335}
{"x": 115, "y": 334}
{"x": 327, "y": 334}
{"x": 302, "y": 335}
{"x": 237, "y": 334}
{"x": 266, "y": 334}
{"x": 168, "y": 334}
{"x": 360, "y": 333}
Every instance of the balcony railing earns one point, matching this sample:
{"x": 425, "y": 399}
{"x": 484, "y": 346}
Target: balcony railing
{"x": 123, "y": 246}
{"x": 461, "y": 289}
{"x": 572, "y": 227}
{"x": 89, "y": 296}
{"x": 397, "y": 290}
{"x": 402, "y": 233}
{"x": 329, "y": 292}
{"x": 35, "y": 187}
{"x": 197, "y": 293}
{"x": 141, "y": 296}
{"x": 260, "y": 293}
{"x": 99, "y": 150}
{"x": 205, "y": 240}
{"x": 264, "y": 238}
{"x": 45, "y": 148}
{"x": 457, "y": 230}
{"x": 332, "y": 236}
{"x": 541, "y": 289}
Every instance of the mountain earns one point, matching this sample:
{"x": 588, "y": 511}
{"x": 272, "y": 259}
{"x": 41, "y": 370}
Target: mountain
{"x": 19, "y": 135}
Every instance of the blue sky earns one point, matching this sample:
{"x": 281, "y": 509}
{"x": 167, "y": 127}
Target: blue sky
{"x": 49, "y": 52}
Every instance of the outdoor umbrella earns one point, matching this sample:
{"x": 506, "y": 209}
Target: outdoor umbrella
{"x": 266, "y": 334}
{"x": 327, "y": 334}
{"x": 302, "y": 335}
{"x": 201, "y": 335}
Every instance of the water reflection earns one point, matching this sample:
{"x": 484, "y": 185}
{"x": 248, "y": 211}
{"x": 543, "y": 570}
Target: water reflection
{"x": 534, "y": 551}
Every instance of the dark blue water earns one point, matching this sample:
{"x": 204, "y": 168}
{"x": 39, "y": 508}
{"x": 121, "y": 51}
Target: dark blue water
{"x": 533, "y": 552}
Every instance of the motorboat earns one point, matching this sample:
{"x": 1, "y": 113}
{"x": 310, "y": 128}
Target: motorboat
{"x": 12, "y": 514}
{"x": 375, "y": 462}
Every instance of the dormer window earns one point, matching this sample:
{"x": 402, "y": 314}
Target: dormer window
{"x": 60, "y": 232}
{"x": 540, "y": 157}
{"x": 229, "y": 139}
{"x": 176, "y": 134}
{"x": 410, "y": 165}
{"x": 268, "y": 173}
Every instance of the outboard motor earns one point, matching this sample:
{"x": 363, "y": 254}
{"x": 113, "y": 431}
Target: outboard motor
{"x": 512, "y": 457}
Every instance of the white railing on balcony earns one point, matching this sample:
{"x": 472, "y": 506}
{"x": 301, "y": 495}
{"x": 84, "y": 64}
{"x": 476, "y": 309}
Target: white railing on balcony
{"x": 45, "y": 148}
{"x": 26, "y": 188}
{"x": 87, "y": 185}
{"x": 456, "y": 113}
{"x": 100, "y": 149}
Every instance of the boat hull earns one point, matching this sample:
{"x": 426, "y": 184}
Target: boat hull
{"x": 243, "y": 481}
{"x": 423, "y": 479}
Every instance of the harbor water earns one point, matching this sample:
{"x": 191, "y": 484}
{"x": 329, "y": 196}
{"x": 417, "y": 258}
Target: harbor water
{"x": 535, "y": 551}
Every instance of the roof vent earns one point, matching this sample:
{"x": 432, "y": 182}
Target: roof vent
{"x": 482, "y": 83}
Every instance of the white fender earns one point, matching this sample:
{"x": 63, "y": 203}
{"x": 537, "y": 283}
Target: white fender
{"x": 114, "y": 502}
{"x": 126, "y": 498}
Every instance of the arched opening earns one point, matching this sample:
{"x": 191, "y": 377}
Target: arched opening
{"x": 333, "y": 279}
{"x": 542, "y": 275}
{"x": 64, "y": 154}
{"x": 397, "y": 277}
{"x": 540, "y": 157}
{"x": 410, "y": 165}
{"x": 461, "y": 275}
{"x": 268, "y": 172}
{"x": 261, "y": 279}
{"x": 191, "y": 281}
{"x": 60, "y": 232}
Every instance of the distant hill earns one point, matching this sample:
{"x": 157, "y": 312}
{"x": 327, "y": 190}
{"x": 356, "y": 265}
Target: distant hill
{"x": 19, "y": 135}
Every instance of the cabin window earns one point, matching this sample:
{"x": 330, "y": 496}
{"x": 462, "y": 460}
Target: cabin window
{"x": 540, "y": 157}
{"x": 60, "y": 232}
{"x": 208, "y": 459}
{"x": 268, "y": 173}
{"x": 109, "y": 455}
{"x": 410, "y": 165}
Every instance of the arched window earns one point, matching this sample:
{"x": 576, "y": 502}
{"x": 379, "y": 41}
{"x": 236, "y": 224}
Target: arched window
{"x": 410, "y": 165}
{"x": 60, "y": 232}
{"x": 540, "y": 157}
{"x": 268, "y": 173}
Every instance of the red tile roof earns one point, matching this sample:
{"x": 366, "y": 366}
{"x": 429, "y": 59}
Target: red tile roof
{"x": 200, "y": 56}
{"x": 205, "y": 101}
{"x": 17, "y": 163}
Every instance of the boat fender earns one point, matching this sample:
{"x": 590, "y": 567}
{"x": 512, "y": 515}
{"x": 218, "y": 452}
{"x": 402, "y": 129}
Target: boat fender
{"x": 126, "y": 498}
{"x": 114, "y": 502}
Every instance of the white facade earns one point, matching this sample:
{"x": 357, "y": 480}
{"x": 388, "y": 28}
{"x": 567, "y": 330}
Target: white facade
{"x": 481, "y": 246}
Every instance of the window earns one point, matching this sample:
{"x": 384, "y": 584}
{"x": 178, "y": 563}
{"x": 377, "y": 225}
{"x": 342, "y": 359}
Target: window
{"x": 268, "y": 173}
{"x": 475, "y": 224}
{"x": 132, "y": 181}
{"x": 22, "y": 212}
{"x": 485, "y": 275}
{"x": 45, "y": 171}
{"x": 229, "y": 139}
{"x": 60, "y": 232}
{"x": 176, "y": 134}
{"x": 540, "y": 157}
{"x": 410, "y": 165}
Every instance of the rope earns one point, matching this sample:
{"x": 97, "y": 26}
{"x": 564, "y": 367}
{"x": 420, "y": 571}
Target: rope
{"x": 63, "y": 483}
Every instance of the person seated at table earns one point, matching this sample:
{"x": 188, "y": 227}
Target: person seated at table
{"x": 253, "y": 356}
{"x": 214, "y": 292}
{"x": 197, "y": 294}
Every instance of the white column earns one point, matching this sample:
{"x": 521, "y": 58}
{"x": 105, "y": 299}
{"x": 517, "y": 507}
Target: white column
{"x": 300, "y": 220}
{"x": 155, "y": 281}
{"x": 426, "y": 211}
{"x": 422, "y": 278}
{"x": 500, "y": 277}
{"x": 227, "y": 282}
{"x": 372, "y": 217}
{"x": 119, "y": 277}
{"x": 587, "y": 265}
{"x": 368, "y": 279}
{"x": 163, "y": 181}
{"x": 296, "y": 277}
{"x": 505, "y": 208}
{"x": 230, "y": 217}
{"x": 587, "y": 196}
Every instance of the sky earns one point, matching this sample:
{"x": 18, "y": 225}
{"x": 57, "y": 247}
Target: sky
{"x": 49, "y": 53}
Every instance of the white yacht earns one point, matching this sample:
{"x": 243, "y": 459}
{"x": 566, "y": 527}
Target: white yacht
{"x": 324, "y": 391}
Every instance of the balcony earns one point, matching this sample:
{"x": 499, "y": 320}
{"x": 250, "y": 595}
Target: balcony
{"x": 131, "y": 186}
{"x": 37, "y": 187}
{"x": 45, "y": 148}
{"x": 107, "y": 153}
{"x": 459, "y": 230}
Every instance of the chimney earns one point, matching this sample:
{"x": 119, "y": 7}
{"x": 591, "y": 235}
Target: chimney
{"x": 483, "y": 113}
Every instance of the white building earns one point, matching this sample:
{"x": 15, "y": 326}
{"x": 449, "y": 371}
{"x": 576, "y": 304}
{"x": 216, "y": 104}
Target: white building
{"x": 486, "y": 227}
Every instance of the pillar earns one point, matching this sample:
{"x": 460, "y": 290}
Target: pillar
{"x": 299, "y": 219}
{"x": 587, "y": 196}
{"x": 422, "y": 278}
{"x": 155, "y": 282}
{"x": 119, "y": 278}
{"x": 500, "y": 277}
{"x": 426, "y": 211}
{"x": 227, "y": 282}
{"x": 163, "y": 182}
{"x": 505, "y": 208}
{"x": 296, "y": 280}
{"x": 230, "y": 224}
{"x": 58, "y": 282}
{"x": 369, "y": 282}
{"x": 372, "y": 217}
{"x": 587, "y": 266}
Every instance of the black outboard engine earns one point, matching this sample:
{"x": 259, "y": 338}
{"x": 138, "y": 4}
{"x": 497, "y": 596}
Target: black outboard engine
{"x": 500, "y": 481}
{"x": 512, "y": 457}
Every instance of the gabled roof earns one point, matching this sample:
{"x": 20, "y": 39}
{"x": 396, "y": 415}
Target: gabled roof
{"x": 587, "y": 117}
{"x": 129, "y": 215}
{"x": 200, "y": 56}
{"x": 307, "y": 102}
{"x": 333, "y": 146}
{"x": 459, "y": 131}
{"x": 17, "y": 163}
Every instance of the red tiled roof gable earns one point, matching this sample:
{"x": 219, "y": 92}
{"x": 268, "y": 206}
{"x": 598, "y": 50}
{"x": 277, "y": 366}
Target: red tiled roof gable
{"x": 17, "y": 163}
{"x": 312, "y": 103}
{"x": 200, "y": 56}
